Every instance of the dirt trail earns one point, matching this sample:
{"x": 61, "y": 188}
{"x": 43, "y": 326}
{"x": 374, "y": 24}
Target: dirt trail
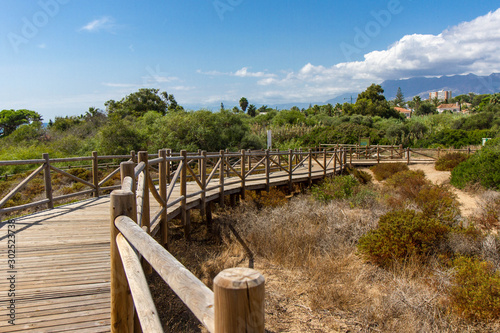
{"x": 468, "y": 203}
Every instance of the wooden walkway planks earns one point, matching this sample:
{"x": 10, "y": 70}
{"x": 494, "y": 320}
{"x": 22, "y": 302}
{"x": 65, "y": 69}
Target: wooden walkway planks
{"x": 62, "y": 261}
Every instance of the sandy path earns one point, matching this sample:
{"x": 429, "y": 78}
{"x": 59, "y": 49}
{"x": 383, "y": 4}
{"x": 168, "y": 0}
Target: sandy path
{"x": 468, "y": 203}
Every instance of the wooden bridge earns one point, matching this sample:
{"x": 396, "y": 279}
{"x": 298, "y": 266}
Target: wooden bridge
{"x": 56, "y": 263}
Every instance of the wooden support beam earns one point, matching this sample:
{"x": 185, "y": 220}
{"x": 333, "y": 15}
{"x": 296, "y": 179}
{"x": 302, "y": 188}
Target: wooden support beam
{"x": 222, "y": 167}
{"x": 239, "y": 297}
{"x": 122, "y": 306}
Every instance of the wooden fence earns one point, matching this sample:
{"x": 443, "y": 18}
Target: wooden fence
{"x": 203, "y": 168}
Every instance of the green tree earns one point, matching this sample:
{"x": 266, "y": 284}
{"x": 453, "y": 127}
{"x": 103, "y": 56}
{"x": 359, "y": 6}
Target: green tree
{"x": 252, "y": 110}
{"x": 139, "y": 103}
{"x": 372, "y": 102}
{"x": 243, "y": 104}
{"x": 425, "y": 108}
{"x": 400, "y": 99}
{"x": 12, "y": 119}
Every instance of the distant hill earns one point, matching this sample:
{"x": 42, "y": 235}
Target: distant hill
{"x": 458, "y": 84}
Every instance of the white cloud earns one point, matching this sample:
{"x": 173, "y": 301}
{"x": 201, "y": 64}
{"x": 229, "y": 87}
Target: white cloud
{"x": 243, "y": 72}
{"x": 104, "y": 23}
{"x": 469, "y": 47}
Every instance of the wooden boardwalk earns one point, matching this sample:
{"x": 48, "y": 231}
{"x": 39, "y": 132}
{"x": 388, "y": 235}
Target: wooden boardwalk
{"x": 62, "y": 260}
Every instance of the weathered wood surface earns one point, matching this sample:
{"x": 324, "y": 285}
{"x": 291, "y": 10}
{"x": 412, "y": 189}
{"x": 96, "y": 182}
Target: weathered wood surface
{"x": 63, "y": 258}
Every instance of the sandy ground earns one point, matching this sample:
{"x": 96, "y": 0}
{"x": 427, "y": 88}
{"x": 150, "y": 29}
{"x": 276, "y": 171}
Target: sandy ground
{"x": 468, "y": 203}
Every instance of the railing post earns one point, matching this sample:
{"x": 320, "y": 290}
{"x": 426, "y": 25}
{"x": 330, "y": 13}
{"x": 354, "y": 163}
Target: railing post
{"x": 203, "y": 181}
{"x": 401, "y": 151}
{"x": 249, "y": 159}
{"x": 95, "y": 173}
{"x": 350, "y": 155}
{"x": 335, "y": 157}
{"x": 267, "y": 170}
{"x": 378, "y": 154}
{"x": 290, "y": 170}
{"x": 186, "y": 221}
{"x": 221, "y": 178}
{"x": 127, "y": 170}
{"x": 162, "y": 168}
{"x": 309, "y": 166}
{"x": 239, "y": 298}
{"x": 392, "y": 152}
{"x": 169, "y": 153}
{"x": 408, "y": 155}
{"x": 243, "y": 173}
{"x": 122, "y": 306}
{"x": 324, "y": 162}
{"x": 48, "y": 181}
{"x": 133, "y": 157}
{"x": 143, "y": 157}
{"x": 146, "y": 219}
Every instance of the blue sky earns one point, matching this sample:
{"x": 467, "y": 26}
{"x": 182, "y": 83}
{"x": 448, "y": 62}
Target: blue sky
{"x": 60, "y": 57}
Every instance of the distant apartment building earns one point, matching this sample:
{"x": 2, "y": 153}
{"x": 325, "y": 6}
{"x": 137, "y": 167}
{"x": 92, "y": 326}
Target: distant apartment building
{"x": 441, "y": 95}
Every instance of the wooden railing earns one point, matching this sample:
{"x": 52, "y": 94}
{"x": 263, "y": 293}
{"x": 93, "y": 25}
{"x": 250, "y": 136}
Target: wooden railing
{"x": 207, "y": 170}
{"x": 237, "y": 302}
{"x": 384, "y": 153}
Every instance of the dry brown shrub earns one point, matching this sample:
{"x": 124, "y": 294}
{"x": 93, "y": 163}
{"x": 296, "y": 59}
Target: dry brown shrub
{"x": 488, "y": 216}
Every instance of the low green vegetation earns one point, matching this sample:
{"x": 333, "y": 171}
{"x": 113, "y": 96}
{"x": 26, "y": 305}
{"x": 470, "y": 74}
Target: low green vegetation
{"x": 402, "y": 234}
{"x": 149, "y": 120}
{"x": 481, "y": 168}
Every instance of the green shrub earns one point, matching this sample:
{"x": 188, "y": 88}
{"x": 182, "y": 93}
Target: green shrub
{"x": 481, "y": 168}
{"x": 449, "y": 161}
{"x": 400, "y": 235}
{"x": 475, "y": 293}
{"x": 385, "y": 170}
{"x": 407, "y": 184}
{"x": 439, "y": 202}
{"x": 340, "y": 187}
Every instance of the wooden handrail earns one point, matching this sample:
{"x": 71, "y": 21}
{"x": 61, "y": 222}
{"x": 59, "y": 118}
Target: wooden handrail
{"x": 198, "y": 297}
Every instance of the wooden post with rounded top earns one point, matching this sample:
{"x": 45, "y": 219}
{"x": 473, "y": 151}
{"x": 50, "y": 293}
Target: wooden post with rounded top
{"x": 95, "y": 173}
{"x": 243, "y": 172}
{"x": 267, "y": 169}
{"x": 309, "y": 166}
{"x": 203, "y": 181}
{"x": 122, "y": 307}
{"x": 162, "y": 168}
{"x": 239, "y": 299}
{"x": 127, "y": 170}
{"x": 324, "y": 162}
{"x": 290, "y": 170}
{"x": 146, "y": 218}
{"x": 48, "y": 182}
{"x": 221, "y": 177}
{"x": 186, "y": 222}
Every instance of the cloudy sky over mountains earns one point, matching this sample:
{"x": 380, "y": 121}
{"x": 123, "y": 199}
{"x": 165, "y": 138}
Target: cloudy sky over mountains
{"x": 60, "y": 57}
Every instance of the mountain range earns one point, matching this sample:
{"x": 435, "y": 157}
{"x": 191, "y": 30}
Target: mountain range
{"x": 422, "y": 86}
